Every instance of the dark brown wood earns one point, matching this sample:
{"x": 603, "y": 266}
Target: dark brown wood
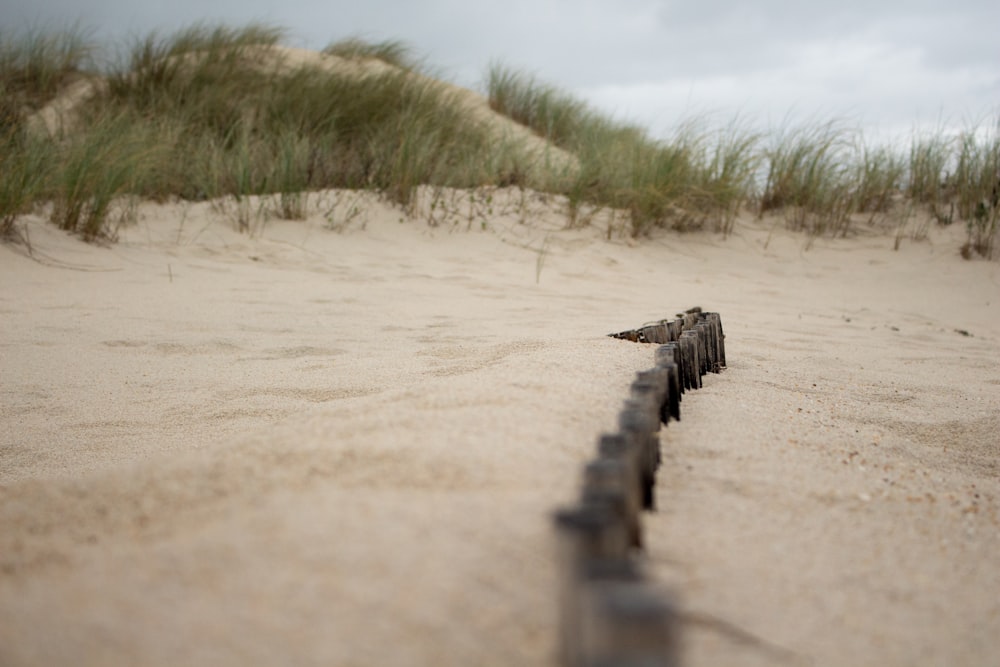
{"x": 655, "y": 333}
{"x": 626, "y": 622}
{"x": 609, "y": 615}
{"x": 612, "y": 481}
{"x": 672, "y": 399}
{"x": 689, "y": 318}
{"x": 687, "y": 358}
{"x": 720, "y": 337}
{"x": 583, "y": 534}
{"x": 639, "y": 425}
{"x": 655, "y": 383}
{"x": 706, "y": 347}
{"x": 688, "y": 355}
{"x": 716, "y": 353}
{"x": 672, "y": 351}
{"x": 713, "y": 338}
{"x": 692, "y": 359}
{"x": 645, "y": 390}
{"x": 589, "y": 532}
{"x": 674, "y": 329}
{"x": 574, "y": 598}
{"x": 618, "y": 446}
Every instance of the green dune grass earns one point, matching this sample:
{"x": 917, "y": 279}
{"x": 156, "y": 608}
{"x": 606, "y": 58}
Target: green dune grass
{"x": 210, "y": 112}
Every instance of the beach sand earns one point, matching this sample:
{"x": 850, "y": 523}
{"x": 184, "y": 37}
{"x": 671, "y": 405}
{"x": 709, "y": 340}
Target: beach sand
{"x": 340, "y": 441}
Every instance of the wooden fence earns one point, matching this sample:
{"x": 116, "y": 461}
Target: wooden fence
{"x": 611, "y": 613}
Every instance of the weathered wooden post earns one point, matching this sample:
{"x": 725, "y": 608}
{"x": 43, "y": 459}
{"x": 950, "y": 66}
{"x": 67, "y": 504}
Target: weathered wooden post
{"x": 692, "y": 358}
{"x": 611, "y": 481}
{"x": 584, "y": 535}
{"x": 706, "y": 347}
{"x": 672, "y": 351}
{"x": 654, "y": 333}
{"x": 674, "y": 329}
{"x": 716, "y": 320}
{"x": 616, "y": 447}
{"x": 628, "y": 622}
{"x": 685, "y": 362}
{"x": 653, "y": 384}
{"x": 639, "y": 424}
{"x": 672, "y": 400}
{"x": 594, "y": 575}
{"x": 689, "y": 317}
{"x": 712, "y": 345}
{"x": 611, "y": 617}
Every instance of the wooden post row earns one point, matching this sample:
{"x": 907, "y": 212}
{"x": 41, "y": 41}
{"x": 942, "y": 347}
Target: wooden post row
{"x": 609, "y": 613}
{"x": 708, "y": 325}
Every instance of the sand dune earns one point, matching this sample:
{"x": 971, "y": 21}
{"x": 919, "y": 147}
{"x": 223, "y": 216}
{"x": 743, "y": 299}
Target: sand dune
{"x": 60, "y": 115}
{"x": 308, "y": 446}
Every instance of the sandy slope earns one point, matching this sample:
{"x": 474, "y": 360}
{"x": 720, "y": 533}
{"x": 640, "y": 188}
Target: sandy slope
{"x": 342, "y": 447}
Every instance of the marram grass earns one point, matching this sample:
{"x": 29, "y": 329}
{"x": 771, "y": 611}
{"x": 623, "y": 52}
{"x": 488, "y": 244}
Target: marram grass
{"x": 212, "y": 112}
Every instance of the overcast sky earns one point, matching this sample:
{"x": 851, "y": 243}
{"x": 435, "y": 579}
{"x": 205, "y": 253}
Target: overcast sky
{"x": 884, "y": 64}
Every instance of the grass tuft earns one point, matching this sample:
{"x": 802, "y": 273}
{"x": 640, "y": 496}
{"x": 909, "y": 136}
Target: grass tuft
{"x": 977, "y": 186}
{"x": 97, "y": 167}
{"x": 391, "y": 52}
{"x": 35, "y": 65}
{"x": 927, "y": 184}
{"x": 550, "y": 112}
{"x": 809, "y": 177}
{"x": 25, "y": 164}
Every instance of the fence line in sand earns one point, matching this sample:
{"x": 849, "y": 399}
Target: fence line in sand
{"x": 610, "y": 612}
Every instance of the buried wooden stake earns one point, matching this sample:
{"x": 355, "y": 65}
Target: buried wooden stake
{"x": 672, "y": 399}
{"x": 704, "y": 353}
{"x": 640, "y": 425}
{"x": 689, "y": 348}
{"x": 574, "y": 600}
{"x": 690, "y": 317}
{"x": 683, "y": 363}
{"x": 612, "y": 481}
{"x": 674, "y": 329}
{"x": 720, "y": 346}
{"x": 690, "y": 339}
{"x": 646, "y": 391}
{"x": 618, "y": 619}
{"x": 654, "y": 384}
{"x": 626, "y": 622}
{"x": 672, "y": 351}
{"x": 589, "y": 531}
{"x": 706, "y": 347}
{"x": 654, "y": 375}
{"x": 655, "y": 333}
{"x": 584, "y": 535}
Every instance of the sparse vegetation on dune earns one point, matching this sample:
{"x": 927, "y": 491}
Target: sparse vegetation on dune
{"x": 36, "y": 65}
{"x": 228, "y": 114}
{"x": 696, "y": 177}
{"x": 976, "y": 187}
{"x": 391, "y": 52}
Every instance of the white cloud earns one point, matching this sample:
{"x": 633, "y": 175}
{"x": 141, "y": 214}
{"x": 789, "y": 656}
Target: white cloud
{"x": 653, "y": 61}
{"x": 862, "y": 78}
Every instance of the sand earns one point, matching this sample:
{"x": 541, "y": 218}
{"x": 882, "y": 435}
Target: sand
{"x": 339, "y": 441}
